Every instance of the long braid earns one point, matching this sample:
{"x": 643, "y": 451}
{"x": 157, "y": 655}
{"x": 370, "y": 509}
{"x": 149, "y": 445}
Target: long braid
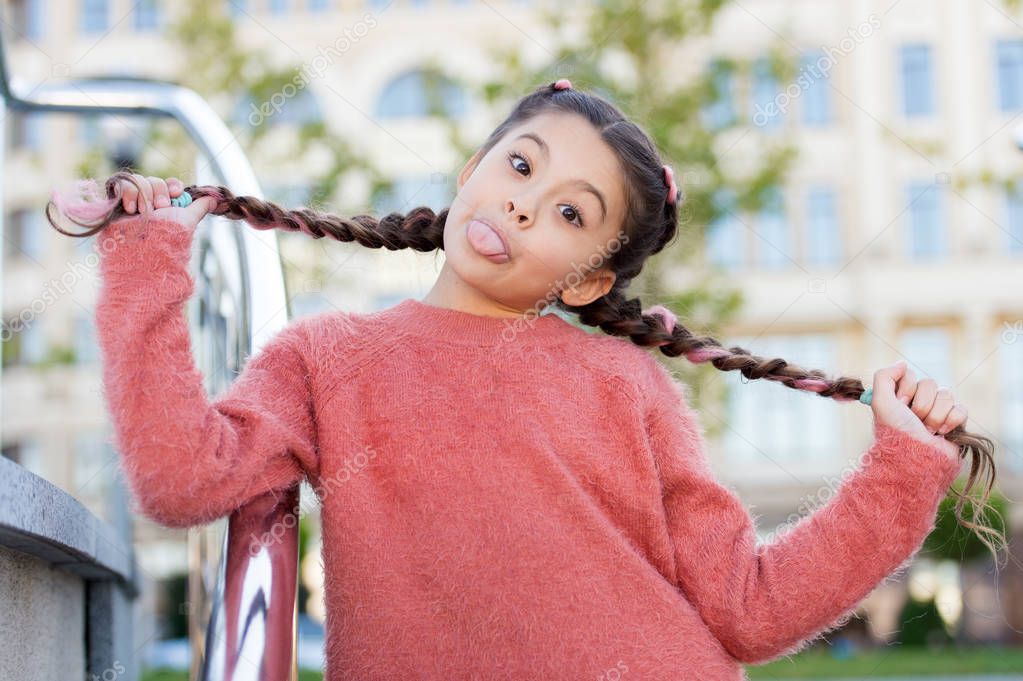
{"x": 617, "y": 315}
{"x": 421, "y": 229}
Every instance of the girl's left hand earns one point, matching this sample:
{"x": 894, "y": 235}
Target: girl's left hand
{"x": 153, "y": 194}
{"x": 923, "y": 410}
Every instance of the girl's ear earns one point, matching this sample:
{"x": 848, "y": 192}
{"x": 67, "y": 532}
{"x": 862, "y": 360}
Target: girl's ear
{"x": 468, "y": 168}
{"x": 597, "y": 284}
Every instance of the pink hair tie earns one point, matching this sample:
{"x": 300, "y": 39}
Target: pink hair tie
{"x": 667, "y": 317}
{"x": 669, "y": 178}
{"x": 563, "y": 84}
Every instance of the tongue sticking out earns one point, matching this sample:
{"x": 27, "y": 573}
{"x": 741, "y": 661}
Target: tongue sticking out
{"x": 484, "y": 239}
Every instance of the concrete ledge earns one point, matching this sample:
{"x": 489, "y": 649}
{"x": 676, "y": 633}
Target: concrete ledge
{"x": 39, "y": 519}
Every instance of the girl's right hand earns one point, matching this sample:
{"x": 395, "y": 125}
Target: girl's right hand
{"x": 922, "y": 410}
{"x": 155, "y": 197}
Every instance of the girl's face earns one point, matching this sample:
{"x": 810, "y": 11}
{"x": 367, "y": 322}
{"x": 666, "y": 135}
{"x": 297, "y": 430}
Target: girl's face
{"x": 551, "y": 192}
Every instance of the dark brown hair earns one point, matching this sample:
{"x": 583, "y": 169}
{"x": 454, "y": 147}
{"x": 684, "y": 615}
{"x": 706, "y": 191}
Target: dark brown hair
{"x": 651, "y": 223}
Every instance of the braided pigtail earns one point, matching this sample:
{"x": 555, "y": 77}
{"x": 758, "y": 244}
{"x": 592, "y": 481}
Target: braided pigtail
{"x": 658, "y": 327}
{"x": 421, "y": 229}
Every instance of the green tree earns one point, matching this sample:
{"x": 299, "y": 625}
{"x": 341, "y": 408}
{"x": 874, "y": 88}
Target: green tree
{"x": 920, "y": 624}
{"x": 950, "y": 541}
{"x": 229, "y": 75}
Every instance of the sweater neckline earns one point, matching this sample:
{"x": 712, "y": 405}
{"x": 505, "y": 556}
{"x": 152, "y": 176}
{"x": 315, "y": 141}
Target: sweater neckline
{"x": 417, "y": 318}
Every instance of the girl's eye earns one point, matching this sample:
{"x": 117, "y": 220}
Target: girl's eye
{"x": 513, "y": 156}
{"x": 577, "y": 214}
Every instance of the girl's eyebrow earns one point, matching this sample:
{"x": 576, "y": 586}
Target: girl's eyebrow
{"x": 582, "y": 184}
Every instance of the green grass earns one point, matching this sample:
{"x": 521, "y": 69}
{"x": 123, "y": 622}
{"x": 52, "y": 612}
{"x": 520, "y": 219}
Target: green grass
{"x": 818, "y": 662}
{"x": 173, "y": 675}
{"x": 893, "y": 661}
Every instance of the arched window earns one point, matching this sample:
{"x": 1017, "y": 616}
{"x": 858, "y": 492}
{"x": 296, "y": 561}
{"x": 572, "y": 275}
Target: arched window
{"x": 290, "y": 105}
{"x": 421, "y": 93}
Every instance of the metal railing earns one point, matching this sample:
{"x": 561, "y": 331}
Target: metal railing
{"x": 240, "y": 304}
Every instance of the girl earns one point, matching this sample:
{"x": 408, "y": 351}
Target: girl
{"x": 503, "y": 494}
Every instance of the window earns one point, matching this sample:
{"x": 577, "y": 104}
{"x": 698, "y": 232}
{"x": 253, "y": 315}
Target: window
{"x": 27, "y": 453}
{"x": 302, "y": 108}
{"x": 822, "y": 233}
{"x": 92, "y": 16}
{"x": 776, "y": 430}
{"x": 23, "y": 341}
{"x": 766, "y": 112}
{"x": 28, "y": 18}
{"x": 773, "y": 244}
{"x": 1014, "y": 220}
{"x": 721, "y": 112}
{"x": 278, "y": 6}
{"x": 928, "y": 354}
{"x": 25, "y": 235}
{"x": 419, "y": 94}
{"x": 85, "y": 338}
{"x": 93, "y": 465}
{"x": 237, "y": 7}
{"x": 917, "y": 80}
{"x": 1009, "y": 65}
{"x": 147, "y": 15}
{"x": 319, "y": 5}
{"x": 412, "y": 192}
{"x": 33, "y": 346}
{"x": 926, "y": 232}
{"x": 89, "y": 130}
{"x": 816, "y": 97}
{"x": 1011, "y": 358}
{"x": 26, "y": 130}
{"x": 725, "y": 235}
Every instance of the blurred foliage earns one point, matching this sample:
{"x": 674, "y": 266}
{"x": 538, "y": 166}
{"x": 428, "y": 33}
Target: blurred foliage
{"x": 306, "y": 532}
{"x": 950, "y": 540}
{"x": 174, "y": 622}
{"x": 631, "y": 53}
{"x": 57, "y": 354}
{"x": 920, "y": 624}
{"x": 819, "y": 662}
{"x": 228, "y": 75}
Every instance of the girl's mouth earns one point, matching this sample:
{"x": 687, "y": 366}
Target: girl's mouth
{"x": 487, "y": 241}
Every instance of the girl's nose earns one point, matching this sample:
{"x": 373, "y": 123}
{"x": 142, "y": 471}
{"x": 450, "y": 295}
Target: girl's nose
{"x": 519, "y": 215}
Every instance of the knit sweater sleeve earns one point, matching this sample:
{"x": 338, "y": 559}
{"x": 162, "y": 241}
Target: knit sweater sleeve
{"x": 764, "y": 601}
{"x": 188, "y": 460}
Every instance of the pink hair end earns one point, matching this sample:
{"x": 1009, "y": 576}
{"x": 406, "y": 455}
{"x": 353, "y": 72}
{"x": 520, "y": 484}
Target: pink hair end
{"x": 83, "y": 203}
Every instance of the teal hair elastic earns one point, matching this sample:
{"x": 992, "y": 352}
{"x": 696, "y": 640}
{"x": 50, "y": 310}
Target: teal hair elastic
{"x": 181, "y": 201}
{"x": 867, "y": 395}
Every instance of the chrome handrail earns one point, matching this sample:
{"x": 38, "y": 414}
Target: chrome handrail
{"x": 247, "y": 265}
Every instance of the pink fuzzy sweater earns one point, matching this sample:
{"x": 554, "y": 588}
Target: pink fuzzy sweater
{"x": 498, "y": 502}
